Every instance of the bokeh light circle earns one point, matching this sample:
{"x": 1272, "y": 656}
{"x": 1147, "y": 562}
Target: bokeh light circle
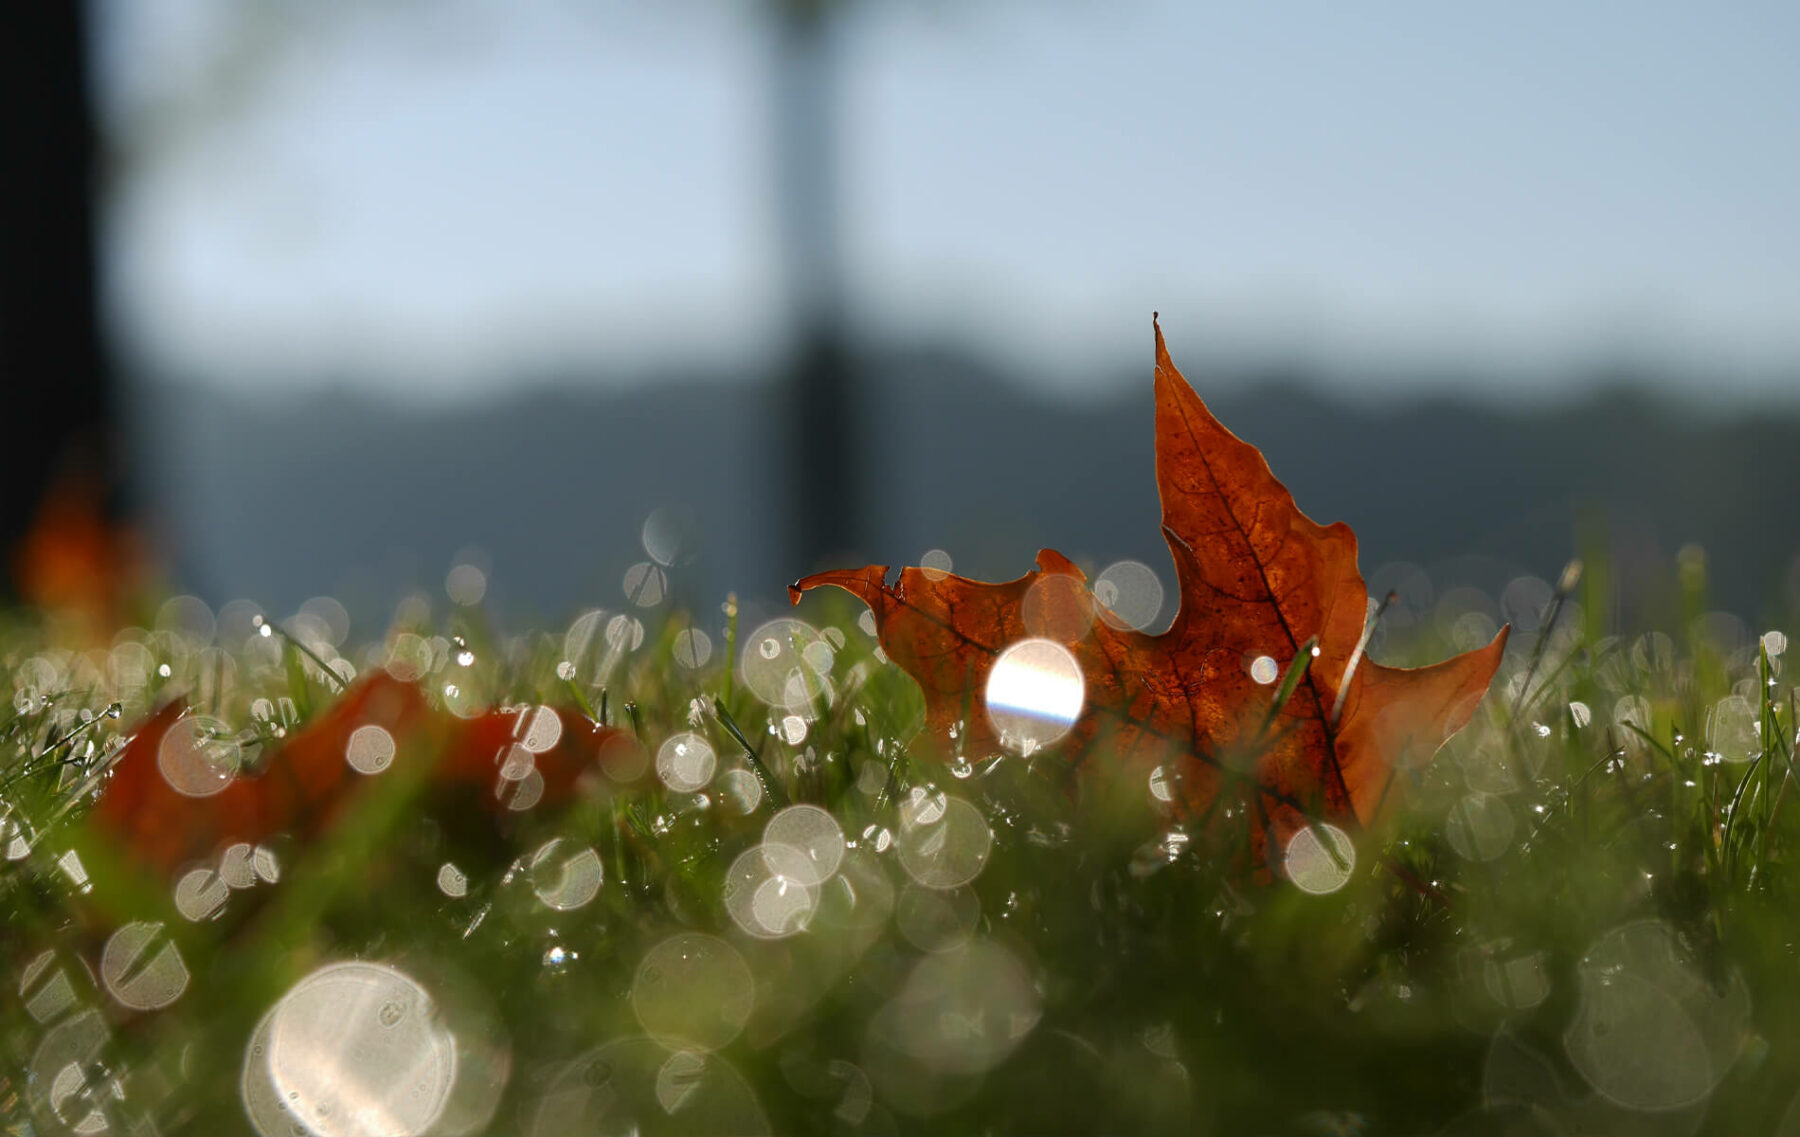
{"x": 959, "y": 1014}
{"x": 195, "y": 758}
{"x": 353, "y": 1049}
{"x": 693, "y": 991}
{"x": 685, "y": 762}
{"x": 692, "y": 648}
{"x": 739, "y": 791}
{"x": 141, "y": 967}
{"x": 370, "y": 749}
{"x": 1035, "y": 692}
{"x": 200, "y": 894}
{"x": 565, "y": 876}
{"x": 1129, "y": 595}
{"x": 766, "y": 893}
{"x": 812, "y": 833}
{"x": 1312, "y": 866}
{"x": 635, "y": 1086}
{"x": 787, "y": 663}
{"x": 943, "y": 842}
{"x": 1654, "y": 1030}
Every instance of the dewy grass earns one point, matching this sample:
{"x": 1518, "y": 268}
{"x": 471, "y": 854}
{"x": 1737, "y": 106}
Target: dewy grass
{"x": 1582, "y": 919}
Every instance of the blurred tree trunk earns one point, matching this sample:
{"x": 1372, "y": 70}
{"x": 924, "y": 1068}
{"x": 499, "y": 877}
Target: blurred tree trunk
{"x": 823, "y": 429}
{"x": 58, "y": 451}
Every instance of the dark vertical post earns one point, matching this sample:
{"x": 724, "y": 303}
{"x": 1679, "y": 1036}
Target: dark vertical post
{"x": 57, "y": 407}
{"x": 819, "y": 405}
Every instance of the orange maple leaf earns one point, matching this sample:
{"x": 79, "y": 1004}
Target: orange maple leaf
{"x": 175, "y": 795}
{"x": 1262, "y": 587}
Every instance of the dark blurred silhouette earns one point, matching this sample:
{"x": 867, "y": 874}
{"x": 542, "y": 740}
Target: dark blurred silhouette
{"x": 61, "y": 502}
{"x": 824, "y": 428}
{"x": 965, "y": 460}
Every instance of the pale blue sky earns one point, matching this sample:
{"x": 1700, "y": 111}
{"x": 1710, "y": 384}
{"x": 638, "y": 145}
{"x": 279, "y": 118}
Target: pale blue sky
{"x": 438, "y": 196}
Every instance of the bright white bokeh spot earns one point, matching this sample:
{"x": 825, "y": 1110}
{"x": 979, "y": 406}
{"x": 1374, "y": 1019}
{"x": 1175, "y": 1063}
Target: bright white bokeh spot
{"x": 685, "y": 762}
{"x": 766, "y": 893}
{"x": 266, "y": 864}
{"x": 370, "y": 749}
{"x": 235, "y": 866}
{"x": 692, "y": 648}
{"x": 793, "y": 730}
{"x": 141, "y": 968}
{"x": 693, "y": 992}
{"x": 1160, "y": 789}
{"x": 70, "y": 864}
{"x": 45, "y": 990}
{"x": 1265, "y": 670}
{"x": 1035, "y": 692}
{"x": 943, "y": 841}
{"x": 451, "y": 881}
{"x": 1312, "y": 866}
{"x": 812, "y": 833}
{"x": 352, "y": 1050}
{"x": 1580, "y": 714}
{"x": 196, "y": 758}
{"x": 1774, "y": 643}
{"x": 539, "y": 729}
{"x": 565, "y": 876}
{"x": 645, "y": 585}
{"x": 774, "y": 665}
{"x": 1129, "y": 595}
{"x": 200, "y": 894}
{"x": 936, "y": 564}
{"x": 69, "y": 1083}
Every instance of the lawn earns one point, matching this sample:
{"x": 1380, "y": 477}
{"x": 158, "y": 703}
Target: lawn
{"x": 761, "y": 912}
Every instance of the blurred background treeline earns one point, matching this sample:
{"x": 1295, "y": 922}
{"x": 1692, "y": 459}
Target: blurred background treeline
{"x": 330, "y": 297}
